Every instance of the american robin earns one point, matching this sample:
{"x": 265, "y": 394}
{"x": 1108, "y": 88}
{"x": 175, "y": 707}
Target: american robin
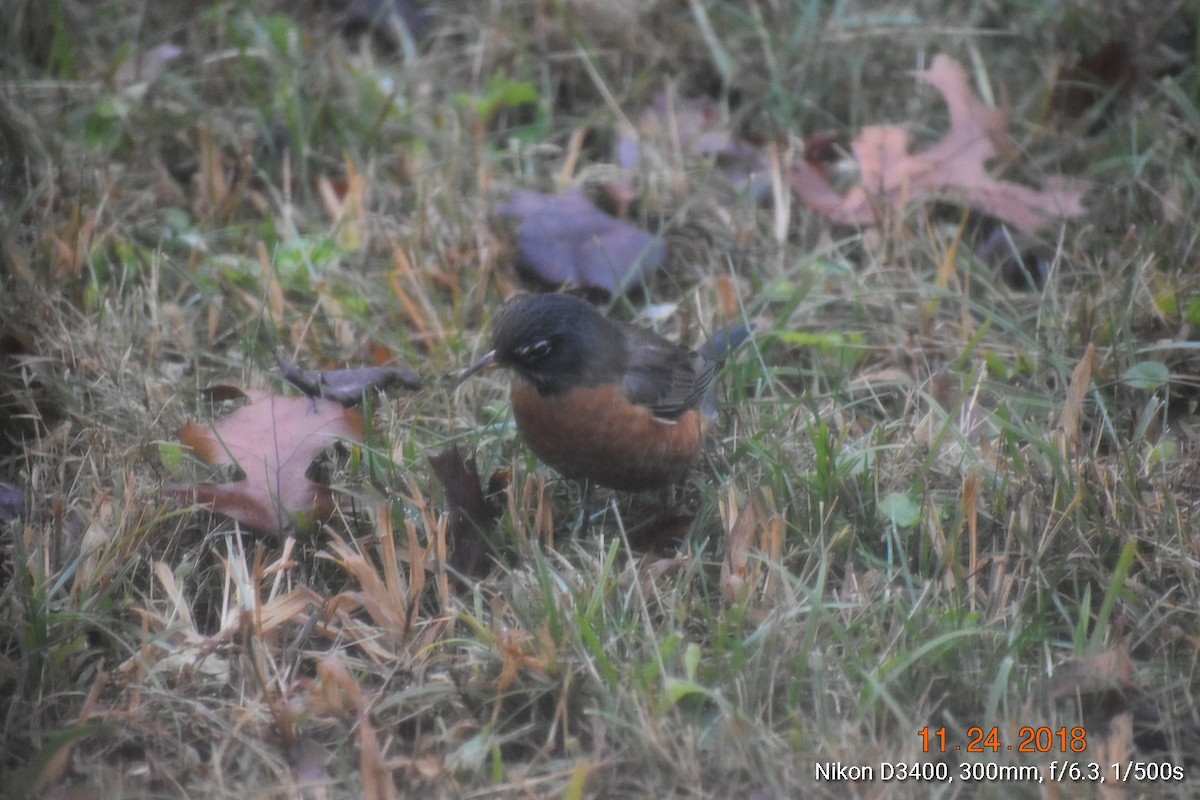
{"x": 603, "y": 401}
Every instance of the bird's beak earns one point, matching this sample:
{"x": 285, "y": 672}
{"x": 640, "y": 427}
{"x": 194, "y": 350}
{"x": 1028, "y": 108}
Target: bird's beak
{"x": 486, "y": 361}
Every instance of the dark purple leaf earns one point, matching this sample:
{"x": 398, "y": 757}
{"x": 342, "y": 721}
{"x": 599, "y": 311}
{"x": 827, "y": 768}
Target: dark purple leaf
{"x": 566, "y": 240}
{"x": 12, "y": 502}
{"x": 345, "y": 386}
{"x": 398, "y": 23}
{"x": 1023, "y": 263}
{"x": 628, "y": 152}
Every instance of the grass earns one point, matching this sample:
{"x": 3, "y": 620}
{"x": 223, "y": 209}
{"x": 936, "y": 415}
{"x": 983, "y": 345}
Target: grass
{"x": 948, "y": 523}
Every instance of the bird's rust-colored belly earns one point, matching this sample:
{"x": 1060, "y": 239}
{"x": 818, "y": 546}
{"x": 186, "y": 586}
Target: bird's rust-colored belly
{"x": 595, "y": 434}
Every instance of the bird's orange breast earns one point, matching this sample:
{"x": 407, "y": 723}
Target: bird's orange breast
{"x": 595, "y": 434}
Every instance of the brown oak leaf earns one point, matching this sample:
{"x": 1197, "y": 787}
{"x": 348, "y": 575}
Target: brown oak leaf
{"x": 472, "y": 513}
{"x": 272, "y": 440}
{"x": 890, "y": 177}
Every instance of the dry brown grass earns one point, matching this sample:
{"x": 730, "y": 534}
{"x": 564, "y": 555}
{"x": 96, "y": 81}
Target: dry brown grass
{"x": 951, "y": 523}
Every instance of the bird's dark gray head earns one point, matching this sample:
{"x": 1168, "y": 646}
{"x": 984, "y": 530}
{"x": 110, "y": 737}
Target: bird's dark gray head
{"x": 557, "y": 342}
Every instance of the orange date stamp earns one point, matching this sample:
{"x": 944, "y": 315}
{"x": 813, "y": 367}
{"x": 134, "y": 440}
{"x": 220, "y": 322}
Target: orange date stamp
{"x": 1030, "y": 739}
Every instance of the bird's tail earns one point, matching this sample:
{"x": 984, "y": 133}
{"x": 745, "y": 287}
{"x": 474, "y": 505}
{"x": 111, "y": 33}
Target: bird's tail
{"x": 717, "y": 349}
{"x": 725, "y": 341}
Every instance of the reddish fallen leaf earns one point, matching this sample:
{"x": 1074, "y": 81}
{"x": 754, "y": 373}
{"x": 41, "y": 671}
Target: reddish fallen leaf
{"x": 695, "y": 126}
{"x": 472, "y": 515}
{"x": 565, "y": 240}
{"x": 273, "y": 441}
{"x": 345, "y": 386}
{"x": 1096, "y": 673}
{"x": 890, "y": 178}
{"x": 692, "y": 127}
{"x": 822, "y": 150}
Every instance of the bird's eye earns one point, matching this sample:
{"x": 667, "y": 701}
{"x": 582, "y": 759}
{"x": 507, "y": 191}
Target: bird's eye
{"x": 536, "y": 351}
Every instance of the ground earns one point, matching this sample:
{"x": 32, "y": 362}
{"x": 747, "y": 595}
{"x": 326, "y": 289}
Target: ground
{"x": 943, "y": 531}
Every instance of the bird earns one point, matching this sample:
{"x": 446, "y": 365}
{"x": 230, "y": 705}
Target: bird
{"x": 602, "y": 401}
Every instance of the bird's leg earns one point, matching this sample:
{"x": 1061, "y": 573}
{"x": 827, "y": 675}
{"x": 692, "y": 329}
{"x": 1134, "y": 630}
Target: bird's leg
{"x": 585, "y": 507}
{"x": 668, "y": 497}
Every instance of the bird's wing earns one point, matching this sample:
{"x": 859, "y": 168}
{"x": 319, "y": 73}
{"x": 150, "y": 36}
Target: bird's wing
{"x": 665, "y": 377}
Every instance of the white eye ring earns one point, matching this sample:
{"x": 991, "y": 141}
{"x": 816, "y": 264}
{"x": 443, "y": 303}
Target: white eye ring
{"x": 538, "y": 350}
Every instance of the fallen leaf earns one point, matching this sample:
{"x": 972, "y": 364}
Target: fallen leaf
{"x": 1022, "y": 262}
{"x": 890, "y": 178}
{"x": 1115, "y": 747}
{"x": 566, "y": 240}
{"x": 1079, "y": 87}
{"x": 12, "y": 502}
{"x": 822, "y": 150}
{"x": 692, "y": 127}
{"x": 735, "y": 569}
{"x": 345, "y": 386}
{"x": 1096, "y": 673}
{"x": 472, "y": 515}
{"x": 310, "y": 761}
{"x": 273, "y": 441}
{"x": 754, "y": 541}
{"x": 1072, "y": 411}
{"x": 1147, "y": 376}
